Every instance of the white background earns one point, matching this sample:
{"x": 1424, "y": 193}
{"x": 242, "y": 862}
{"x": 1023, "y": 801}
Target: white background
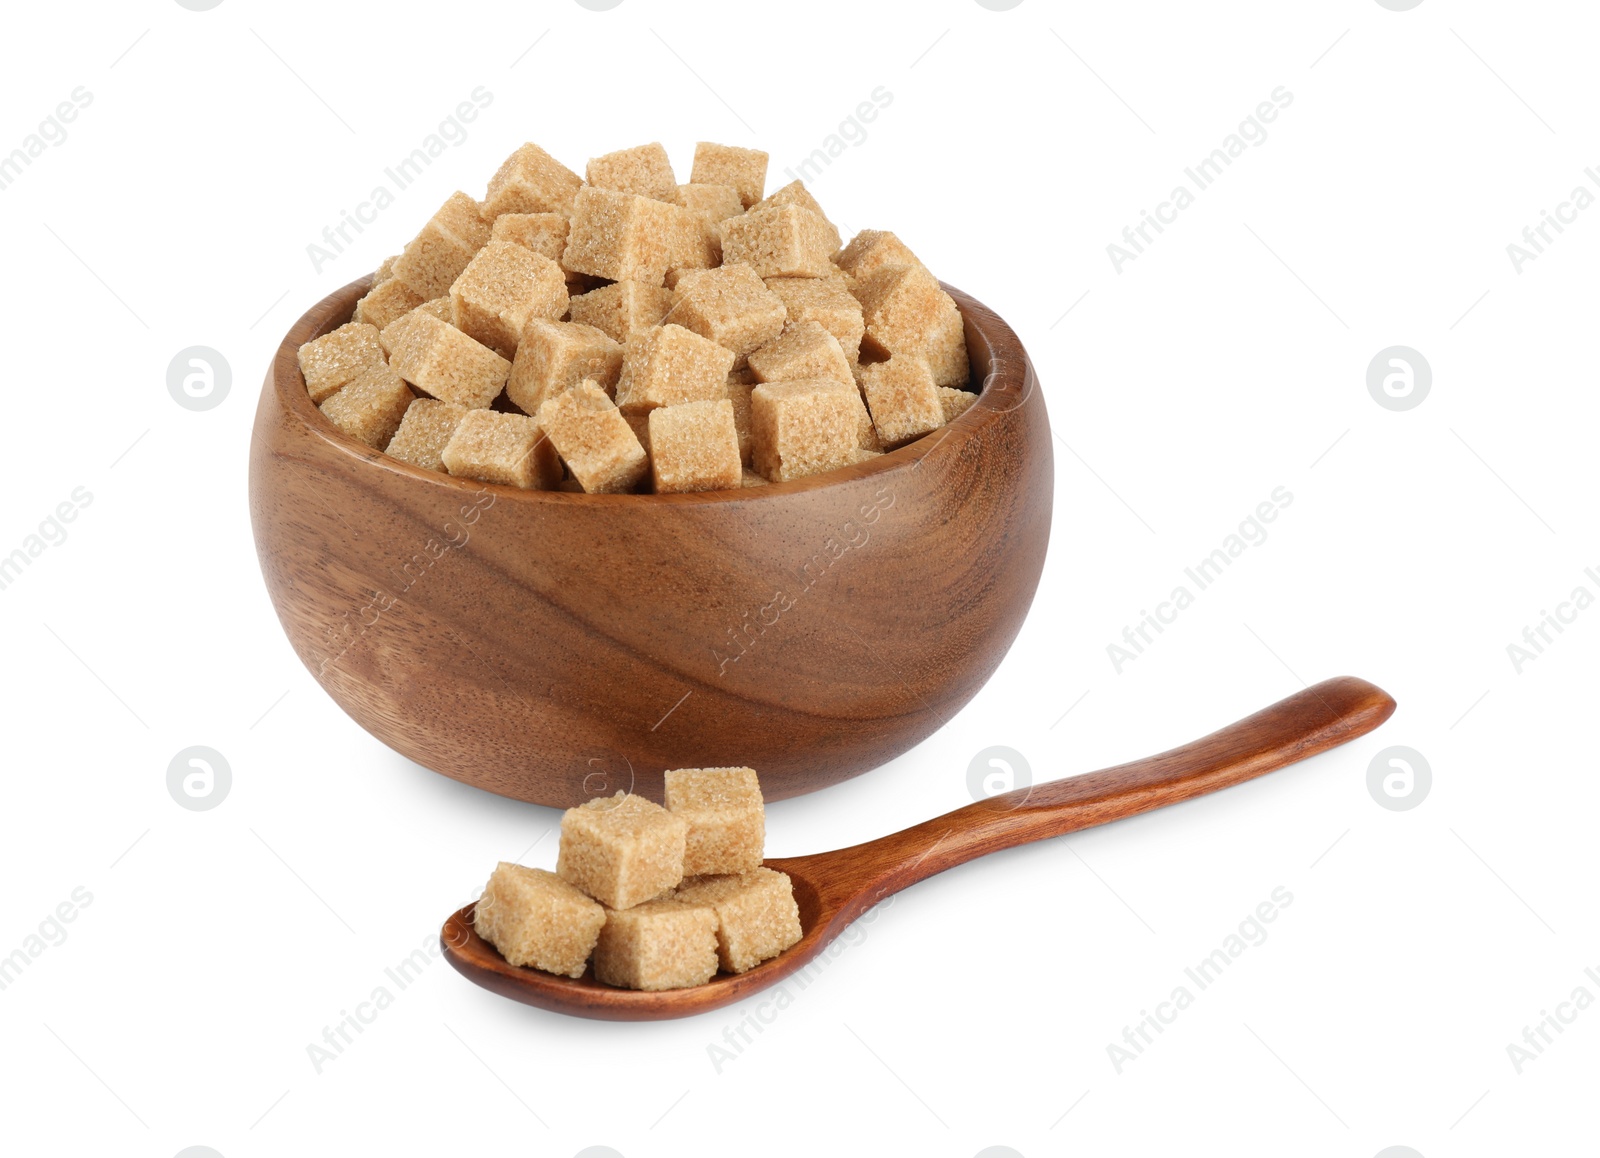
{"x": 1227, "y": 360}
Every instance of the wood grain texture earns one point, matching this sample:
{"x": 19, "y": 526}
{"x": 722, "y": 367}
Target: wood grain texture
{"x": 555, "y": 647}
{"x": 834, "y": 888}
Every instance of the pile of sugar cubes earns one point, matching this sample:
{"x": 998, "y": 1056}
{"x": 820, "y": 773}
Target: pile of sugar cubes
{"x": 657, "y": 898}
{"x": 625, "y": 333}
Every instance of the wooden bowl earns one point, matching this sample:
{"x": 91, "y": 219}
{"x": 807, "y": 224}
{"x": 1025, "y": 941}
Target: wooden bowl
{"x": 553, "y": 647}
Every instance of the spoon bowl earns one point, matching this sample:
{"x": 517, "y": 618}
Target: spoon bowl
{"x": 585, "y": 997}
{"x": 832, "y": 889}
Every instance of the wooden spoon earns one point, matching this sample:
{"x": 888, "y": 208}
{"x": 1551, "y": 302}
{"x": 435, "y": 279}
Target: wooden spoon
{"x": 834, "y": 888}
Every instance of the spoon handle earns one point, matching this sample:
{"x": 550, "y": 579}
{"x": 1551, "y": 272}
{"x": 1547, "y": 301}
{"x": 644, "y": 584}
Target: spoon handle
{"x": 1308, "y": 722}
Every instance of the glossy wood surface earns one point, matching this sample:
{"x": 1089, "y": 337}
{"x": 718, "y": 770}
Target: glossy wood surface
{"x": 834, "y": 888}
{"x": 554, "y": 647}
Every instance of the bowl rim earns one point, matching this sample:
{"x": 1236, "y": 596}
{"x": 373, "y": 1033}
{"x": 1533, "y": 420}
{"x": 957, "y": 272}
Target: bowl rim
{"x": 1006, "y": 386}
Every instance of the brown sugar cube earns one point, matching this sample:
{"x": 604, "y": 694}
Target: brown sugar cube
{"x": 694, "y": 248}
{"x": 371, "y": 406}
{"x": 692, "y": 244}
{"x": 743, "y": 169}
{"x": 752, "y": 479}
{"x": 955, "y": 402}
{"x": 643, "y": 169}
{"x": 871, "y": 250}
{"x": 337, "y": 358}
{"x": 717, "y": 202}
{"x": 502, "y": 448}
{"x": 385, "y": 302}
{"x": 866, "y": 437}
{"x": 757, "y": 917}
{"x": 731, "y": 306}
{"x": 695, "y": 245}
{"x": 394, "y": 333}
{"x": 783, "y": 241}
{"x": 544, "y": 233}
{"x": 501, "y": 290}
{"x": 627, "y": 237}
{"x": 943, "y": 345}
{"x": 722, "y": 806}
{"x": 385, "y": 269}
{"x": 666, "y": 365}
{"x": 555, "y": 355}
{"x": 905, "y": 297}
{"x": 795, "y": 193}
{"x": 826, "y": 301}
{"x": 640, "y": 425}
{"x": 677, "y": 279}
{"x": 593, "y": 439}
{"x": 803, "y": 350}
{"x": 902, "y": 398}
{"x": 531, "y": 181}
{"x": 533, "y": 917}
{"x": 739, "y": 387}
{"x": 946, "y": 350}
{"x": 657, "y": 945}
{"x": 424, "y": 431}
{"x": 694, "y": 446}
{"x": 906, "y": 311}
{"x": 866, "y": 433}
{"x": 622, "y": 307}
{"x": 440, "y": 360}
{"x": 621, "y": 849}
{"x": 803, "y": 428}
{"x": 438, "y": 254}
{"x": 713, "y": 204}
